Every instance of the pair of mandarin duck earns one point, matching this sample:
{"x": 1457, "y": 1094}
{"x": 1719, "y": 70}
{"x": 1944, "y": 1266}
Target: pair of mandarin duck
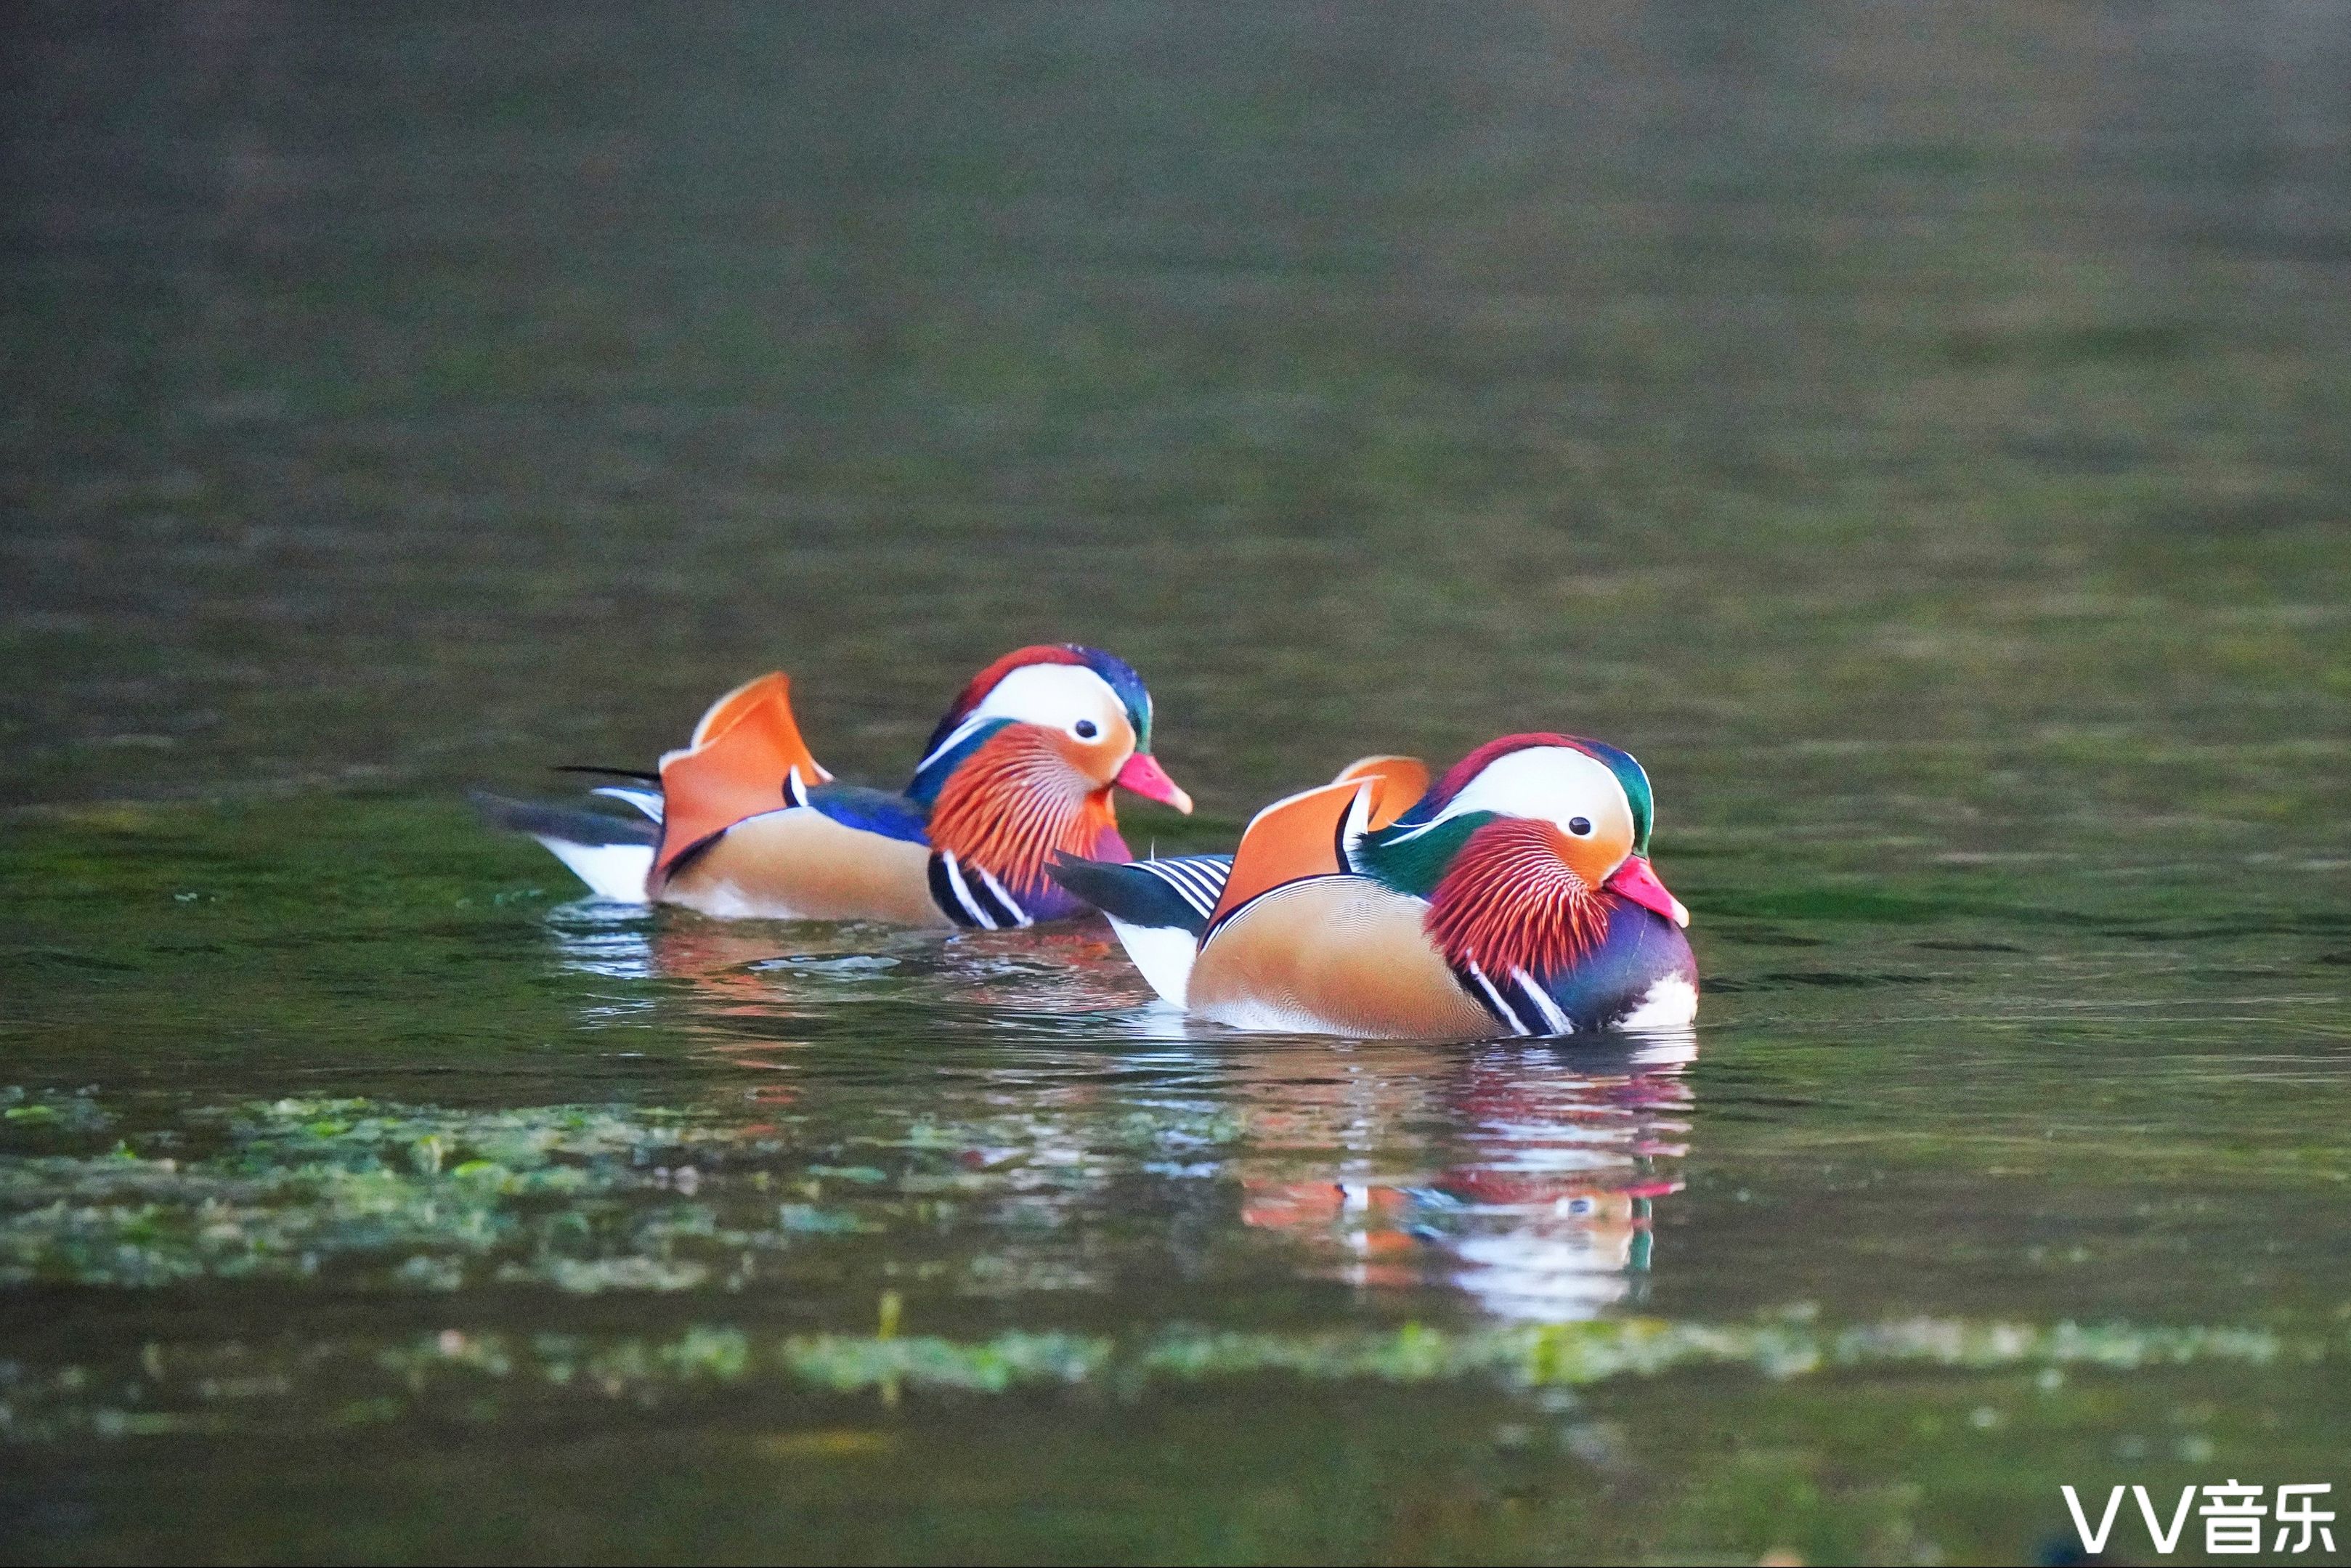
{"x": 1514, "y": 897}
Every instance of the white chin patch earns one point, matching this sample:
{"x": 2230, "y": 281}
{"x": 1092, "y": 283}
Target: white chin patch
{"x": 1672, "y": 1003}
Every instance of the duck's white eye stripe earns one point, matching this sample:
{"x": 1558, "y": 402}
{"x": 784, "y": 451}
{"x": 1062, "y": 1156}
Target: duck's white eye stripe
{"x": 1058, "y": 696}
{"x": 955, "y": 737}
{"x": 1546, "y": 783}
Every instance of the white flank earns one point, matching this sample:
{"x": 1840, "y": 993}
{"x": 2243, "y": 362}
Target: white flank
{"x": 616, "y": 872}
{"x": 1164, "y": 953}
{"x": 1672, "y": 1003}
{"x": 727, "y": 902}
{"x": 1267, "y": 1018}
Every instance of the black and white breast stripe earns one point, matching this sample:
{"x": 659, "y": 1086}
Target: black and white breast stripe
{"x": 1197, "y": 880}
{"x": 971, "y": 897}
{"x": 1517, "y": 1003}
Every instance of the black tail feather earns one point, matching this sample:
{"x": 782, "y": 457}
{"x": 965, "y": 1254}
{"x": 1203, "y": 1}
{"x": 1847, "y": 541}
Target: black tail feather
{"x": 1128, "y": 892}
{"x": 638, "y": 774}
{"x": 570, "y": 823}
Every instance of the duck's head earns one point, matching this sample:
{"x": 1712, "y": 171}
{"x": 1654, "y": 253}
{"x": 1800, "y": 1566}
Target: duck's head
{"x": 1023, "y": 767}
{"x": 1054, "y": 703}
{"x": 1515, "y": 846}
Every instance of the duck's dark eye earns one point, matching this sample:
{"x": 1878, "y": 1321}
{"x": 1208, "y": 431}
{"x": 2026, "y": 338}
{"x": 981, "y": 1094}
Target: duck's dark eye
{"x": 1580, "y": 826}
{"x": 1087, "y": 729}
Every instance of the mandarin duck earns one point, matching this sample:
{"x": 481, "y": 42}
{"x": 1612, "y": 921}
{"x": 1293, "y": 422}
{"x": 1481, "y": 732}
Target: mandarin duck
{"x": 744, "y": 821}
{"x": 1515, "y": 897}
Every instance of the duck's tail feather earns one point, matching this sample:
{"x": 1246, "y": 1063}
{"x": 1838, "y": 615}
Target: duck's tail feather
{"x": 641, "y": 775}
{"x": 611, "y": 854}
{"x": 1158, "y": 907}
{"x": 1176, "y": 893}
{"x": 648, "y": 801}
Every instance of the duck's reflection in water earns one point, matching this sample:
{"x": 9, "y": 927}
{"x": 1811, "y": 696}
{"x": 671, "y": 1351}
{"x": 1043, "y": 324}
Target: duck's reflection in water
{"x": 1522, "y": 1174}
{"x": 738, "y": 982}
{"x": 611, "y": 940}
{"x": 746, "y": 973}
{"x": 775, "y": 969}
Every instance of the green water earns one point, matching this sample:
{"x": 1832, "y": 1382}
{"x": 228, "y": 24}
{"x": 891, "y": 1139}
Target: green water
{"x": 1921, "y": 435}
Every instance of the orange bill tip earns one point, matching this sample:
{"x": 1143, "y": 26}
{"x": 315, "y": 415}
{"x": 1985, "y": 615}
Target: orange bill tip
{"x": 1635, "y": 880}
{"x": 1144, "y": 775}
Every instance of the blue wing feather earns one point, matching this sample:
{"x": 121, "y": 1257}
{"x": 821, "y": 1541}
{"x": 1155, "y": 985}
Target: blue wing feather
{"x": 872, "y": 811}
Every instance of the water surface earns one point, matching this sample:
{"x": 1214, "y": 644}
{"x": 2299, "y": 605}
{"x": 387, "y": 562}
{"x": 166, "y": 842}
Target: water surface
{"x": 1919, "y": 437}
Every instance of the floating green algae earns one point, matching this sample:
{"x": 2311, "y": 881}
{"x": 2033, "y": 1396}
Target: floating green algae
{"x": 583, "y": 1198}
{"x": 190, "y": 1386}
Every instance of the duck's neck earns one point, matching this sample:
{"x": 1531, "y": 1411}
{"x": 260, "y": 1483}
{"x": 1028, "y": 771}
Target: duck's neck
{"x": 1507, "y": 901}
{"x": 1013, "y": 804}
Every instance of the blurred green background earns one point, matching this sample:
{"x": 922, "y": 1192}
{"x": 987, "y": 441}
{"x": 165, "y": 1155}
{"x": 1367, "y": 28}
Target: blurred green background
{"x": 428, "y": 393}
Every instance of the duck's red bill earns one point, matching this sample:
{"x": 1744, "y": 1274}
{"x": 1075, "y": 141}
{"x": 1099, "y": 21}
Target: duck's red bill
{"x": 1636, "y": 882}
{"x": 1144, "y": 775}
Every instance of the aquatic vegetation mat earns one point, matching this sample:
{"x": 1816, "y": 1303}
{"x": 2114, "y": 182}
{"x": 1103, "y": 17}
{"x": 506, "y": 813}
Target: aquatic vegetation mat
{"x": 267, "y": 1384}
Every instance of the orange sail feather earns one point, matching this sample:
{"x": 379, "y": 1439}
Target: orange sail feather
{"x": 1300, "y": 836}
{"x": 739, "y": 765}
{"x": 1402, "y": 780}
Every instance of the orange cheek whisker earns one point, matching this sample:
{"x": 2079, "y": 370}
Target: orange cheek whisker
{"x": 1014, "y": 804}
{"x": 1510, "y": 901}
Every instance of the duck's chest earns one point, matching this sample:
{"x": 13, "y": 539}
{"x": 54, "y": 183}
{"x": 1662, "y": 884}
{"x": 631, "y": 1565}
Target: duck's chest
{"x": 1343, "y": 955}
{"x": 1639, "y": 975}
